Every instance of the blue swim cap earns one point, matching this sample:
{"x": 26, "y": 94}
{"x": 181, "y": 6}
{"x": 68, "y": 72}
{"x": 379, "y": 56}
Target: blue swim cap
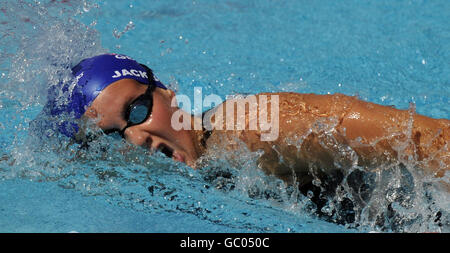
{"x": 91, "y": 76}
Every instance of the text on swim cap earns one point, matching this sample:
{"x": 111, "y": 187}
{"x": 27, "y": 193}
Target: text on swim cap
{"x": 131, "y": 72}
{"x": 122, "y": 57}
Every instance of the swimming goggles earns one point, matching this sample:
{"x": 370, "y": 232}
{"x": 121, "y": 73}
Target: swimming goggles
{"x": 137, "y": 112}
{"x": 140, "y": 109}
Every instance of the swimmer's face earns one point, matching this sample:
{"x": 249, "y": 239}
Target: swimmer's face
{"x": 156, "y": 132}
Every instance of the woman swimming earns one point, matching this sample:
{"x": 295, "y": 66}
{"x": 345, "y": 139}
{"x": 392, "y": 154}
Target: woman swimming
{"x": 301, "y": 131}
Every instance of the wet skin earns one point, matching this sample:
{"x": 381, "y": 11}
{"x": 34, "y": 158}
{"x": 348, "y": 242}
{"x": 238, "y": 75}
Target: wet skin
{"x": 155, "y": 132}
{"x": 329, "y": 129}
{"x": 337, "y": 131}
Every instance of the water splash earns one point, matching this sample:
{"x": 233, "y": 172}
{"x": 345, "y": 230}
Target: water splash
{"x": 39, "y": 40}
{"x": 38, "y": 48}
{"x": 46, "y": 45}
{"x": 127, "y": 28}
{"x": 397, "y": 196}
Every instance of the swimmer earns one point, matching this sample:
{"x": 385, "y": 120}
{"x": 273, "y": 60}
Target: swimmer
{"x": 331, "y": 132}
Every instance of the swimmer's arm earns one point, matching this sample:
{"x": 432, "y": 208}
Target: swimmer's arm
{"x": 373, "y": 131}
{"x": 397, "y": 134}
{"x": 377, "y": 133}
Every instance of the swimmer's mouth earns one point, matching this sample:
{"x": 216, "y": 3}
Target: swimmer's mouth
{"x": 166, "y": 150}
{"x": 170, "y": 153}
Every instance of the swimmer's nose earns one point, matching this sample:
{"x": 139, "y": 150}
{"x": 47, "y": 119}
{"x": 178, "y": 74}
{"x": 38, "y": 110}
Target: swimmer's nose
{"x": 146, "y": 140}
{"x": 138, "y": 138}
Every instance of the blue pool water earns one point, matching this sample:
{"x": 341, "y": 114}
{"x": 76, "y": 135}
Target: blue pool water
{"x": 388, "y": 52}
